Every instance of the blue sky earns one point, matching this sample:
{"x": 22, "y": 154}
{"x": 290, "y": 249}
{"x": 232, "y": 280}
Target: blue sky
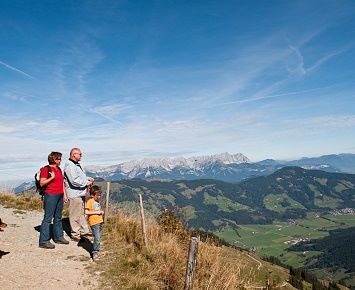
{"x": 134, "y": 79}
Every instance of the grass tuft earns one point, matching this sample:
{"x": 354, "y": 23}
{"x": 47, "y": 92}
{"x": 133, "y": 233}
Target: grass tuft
{"x": 21, "y": 202}
{"x": 25, "y": 202}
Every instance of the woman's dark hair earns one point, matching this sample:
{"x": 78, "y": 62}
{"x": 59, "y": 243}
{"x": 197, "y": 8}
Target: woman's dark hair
{"x": 53, "y": 156}
{"x": 94, "y": 189}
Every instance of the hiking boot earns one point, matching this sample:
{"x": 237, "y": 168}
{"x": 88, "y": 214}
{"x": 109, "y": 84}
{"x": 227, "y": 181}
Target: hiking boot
{"x": 47, "y": 245}
{"x": 61, "y": 241}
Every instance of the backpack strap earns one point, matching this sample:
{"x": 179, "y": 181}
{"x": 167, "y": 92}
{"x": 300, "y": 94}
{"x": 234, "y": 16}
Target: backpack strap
{"x": 39, "y": 172}
{"x": 41, "y": 189}
{"x": 49, "y": 168}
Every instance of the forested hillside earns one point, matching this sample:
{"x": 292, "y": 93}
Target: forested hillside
{"x": 286, "y": 194}
{"x": 337, "y": 254}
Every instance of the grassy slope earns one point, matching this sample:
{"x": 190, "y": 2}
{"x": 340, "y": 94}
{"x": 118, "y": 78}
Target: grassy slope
{"x": 162, "y": 264}
{"x": 127, "y": 264}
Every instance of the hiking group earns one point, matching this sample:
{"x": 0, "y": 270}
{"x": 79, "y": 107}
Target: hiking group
{"x": 74, "y": 187}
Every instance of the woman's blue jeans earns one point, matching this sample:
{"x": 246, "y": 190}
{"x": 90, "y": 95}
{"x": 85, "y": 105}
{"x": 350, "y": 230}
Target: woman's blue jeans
{"x": 53, "y": 207}
{"x": 96, "y": 232}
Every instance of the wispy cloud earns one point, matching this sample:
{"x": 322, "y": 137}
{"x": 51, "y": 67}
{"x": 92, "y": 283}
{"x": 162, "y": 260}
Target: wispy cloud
{"x": 33, "y": 128}
{"x": 109, "y": 112}
{"x": 15, "y": 95}
{"x": 16, "y": 70}
{"x": 256, "y": 72}
{"x": 72, "y": 67}
{"x": 254, "y": 99}
{"x": 332, "y": 121}
{"x": 326, "y": 58}
{"x": 246, "y": 82}
{"x": 301, "y": 68}
{"x": 315, "y": 126}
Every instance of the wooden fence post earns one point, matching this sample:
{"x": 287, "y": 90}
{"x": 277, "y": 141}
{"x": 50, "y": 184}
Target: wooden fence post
{"x": 191, "y": 263}
{"x": 107, "y": 200}
{"x": 144, "y": 232}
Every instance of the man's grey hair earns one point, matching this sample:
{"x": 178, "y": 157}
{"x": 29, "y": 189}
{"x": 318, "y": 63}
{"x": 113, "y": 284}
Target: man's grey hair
{"x": 73, "y": 150}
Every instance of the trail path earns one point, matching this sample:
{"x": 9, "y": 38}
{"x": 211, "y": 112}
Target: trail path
{"x": 23, "y": 265}
{"x": 259, "y": 263}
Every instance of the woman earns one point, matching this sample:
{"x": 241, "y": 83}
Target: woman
{"x": 52, "y": 178}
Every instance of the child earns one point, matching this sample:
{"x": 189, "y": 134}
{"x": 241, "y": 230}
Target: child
{"x": 95, "y": 218}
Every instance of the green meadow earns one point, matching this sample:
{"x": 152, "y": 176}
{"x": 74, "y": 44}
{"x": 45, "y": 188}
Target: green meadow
{"x": 274, "y": 239}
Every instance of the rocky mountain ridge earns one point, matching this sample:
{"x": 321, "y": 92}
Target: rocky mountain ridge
{"x": 227, "y": 167}
{"x": 134, "y": 167}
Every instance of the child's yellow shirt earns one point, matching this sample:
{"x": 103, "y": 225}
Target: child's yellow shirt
{"x": 94, "y": 219}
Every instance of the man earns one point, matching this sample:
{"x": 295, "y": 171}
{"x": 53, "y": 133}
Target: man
{"x": 76, "y": 185}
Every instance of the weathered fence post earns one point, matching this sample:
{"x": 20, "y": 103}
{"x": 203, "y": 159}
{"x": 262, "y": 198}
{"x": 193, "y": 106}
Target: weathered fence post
{"x": 144, "y": 232}
{"x": 107, "y": 200}
{"x": 191, "y": 263}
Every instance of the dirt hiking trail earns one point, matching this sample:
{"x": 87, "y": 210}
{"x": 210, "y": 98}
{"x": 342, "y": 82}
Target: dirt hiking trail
{"x": 23, "y": 265}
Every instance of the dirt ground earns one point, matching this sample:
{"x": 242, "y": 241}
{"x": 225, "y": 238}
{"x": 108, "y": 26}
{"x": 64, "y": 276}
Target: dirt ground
{"x": 23, "y": 265}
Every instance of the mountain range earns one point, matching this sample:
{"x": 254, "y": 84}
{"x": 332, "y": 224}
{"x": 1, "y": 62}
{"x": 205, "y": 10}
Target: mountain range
{"x": 226, "y": 167}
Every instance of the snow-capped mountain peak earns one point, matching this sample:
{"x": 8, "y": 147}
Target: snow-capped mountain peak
{"x": 150, "y": 167}
{"x": 191, "y": 162}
